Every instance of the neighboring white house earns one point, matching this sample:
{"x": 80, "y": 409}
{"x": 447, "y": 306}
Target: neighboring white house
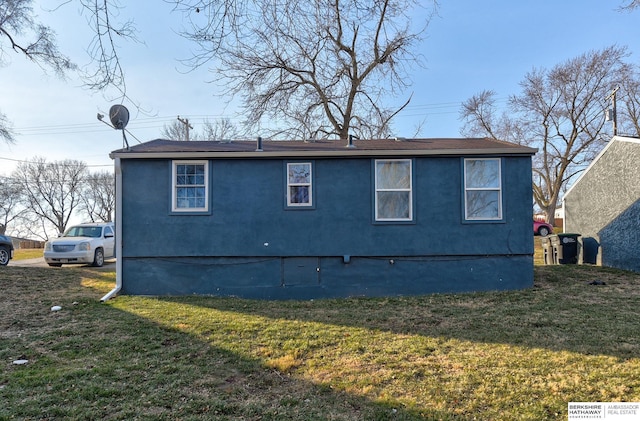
{"x": 559, "y": 217}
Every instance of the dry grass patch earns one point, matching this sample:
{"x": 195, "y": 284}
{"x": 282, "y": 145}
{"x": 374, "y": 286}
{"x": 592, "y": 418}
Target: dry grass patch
{"x": 497, "y": 355}
{"x": 22, "y": 254}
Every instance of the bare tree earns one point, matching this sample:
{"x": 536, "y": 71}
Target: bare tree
{"x": 313, "y": 69}
{"x": 481, "y": 118}
{"x": 107, "y": 70}
{"x": 629, "y": 5}
{"x": 627, "y": 107}
{"x": 52, "y": 191}
{"x": 318, "y": 69}
{"x": 99, "y": 197}
{"x": 218, "y": 129}
{"x": 177, "y": 131}
{"x": 20, "y": 32}
{"x": 559, "y": 111}
{"x": 6, "y": 131}
{"x": 10, "y": 203}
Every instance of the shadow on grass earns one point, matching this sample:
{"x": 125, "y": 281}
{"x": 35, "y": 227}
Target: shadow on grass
{"x": 564, "y": 311}
{"x": 95, "y": 361}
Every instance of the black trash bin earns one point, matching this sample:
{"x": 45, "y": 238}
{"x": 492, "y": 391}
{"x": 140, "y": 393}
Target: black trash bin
{"x": 569, "y": 244}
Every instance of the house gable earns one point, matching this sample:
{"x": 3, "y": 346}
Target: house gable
{"x": 602, "y": 206}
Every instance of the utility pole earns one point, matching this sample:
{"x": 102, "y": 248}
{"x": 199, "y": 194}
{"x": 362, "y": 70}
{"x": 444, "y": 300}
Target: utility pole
{"x": 614, "y": 116}
{"x": 187, "y": 126}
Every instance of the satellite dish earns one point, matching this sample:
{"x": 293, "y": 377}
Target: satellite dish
{"x": 119, "y": 116}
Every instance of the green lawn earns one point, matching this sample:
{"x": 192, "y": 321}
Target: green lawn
{"x": 486, "y": 356}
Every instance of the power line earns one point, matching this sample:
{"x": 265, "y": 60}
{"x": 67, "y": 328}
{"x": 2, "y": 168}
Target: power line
{"x": 22, "y": 161}
{"x": 137, "y": 122}
{"x": 159, "y": 122}
{"x": 79, "y": 128}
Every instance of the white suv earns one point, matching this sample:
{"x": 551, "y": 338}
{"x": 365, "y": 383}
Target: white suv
{"x": 84, "y": 243}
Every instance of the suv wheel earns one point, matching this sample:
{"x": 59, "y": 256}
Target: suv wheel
{"x": 98, "y": 259}
{"x": 4, "y": 256}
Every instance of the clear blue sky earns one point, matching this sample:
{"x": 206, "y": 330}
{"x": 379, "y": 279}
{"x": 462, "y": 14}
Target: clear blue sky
{"x": 472, "y": 45}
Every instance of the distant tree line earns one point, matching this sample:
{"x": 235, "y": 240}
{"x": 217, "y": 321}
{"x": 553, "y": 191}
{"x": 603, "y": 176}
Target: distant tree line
{"x": 218, "y": 129}
{"x": 40, "y": 198}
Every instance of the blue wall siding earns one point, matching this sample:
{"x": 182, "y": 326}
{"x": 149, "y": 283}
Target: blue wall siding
{"x": 262, "y": 278}
{"x": 242, "y": 246}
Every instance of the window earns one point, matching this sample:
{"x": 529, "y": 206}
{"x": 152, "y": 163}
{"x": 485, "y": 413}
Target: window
{"x": 299, "y": 187}
{"x": 482, "y": 189}
{"x": 393, "y": 183}
{"x": 190, "y": 190}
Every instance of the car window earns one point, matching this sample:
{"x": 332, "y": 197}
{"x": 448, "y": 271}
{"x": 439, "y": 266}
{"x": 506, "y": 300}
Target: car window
{"x": 93, "y": 232}
{"x": 73, "y": 232}
{"x": 108, "y": 231}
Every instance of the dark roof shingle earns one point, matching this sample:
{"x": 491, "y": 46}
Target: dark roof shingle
{"x": 338, "y": 148}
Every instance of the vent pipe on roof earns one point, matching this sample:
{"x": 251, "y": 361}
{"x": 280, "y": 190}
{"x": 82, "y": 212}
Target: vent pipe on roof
{"x": 350, "y": 142}
{"x": 259, "y": 146}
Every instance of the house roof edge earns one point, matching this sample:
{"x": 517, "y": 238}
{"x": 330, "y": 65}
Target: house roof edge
{"x": 160, "y": 148}
{"x": 597, "y": 158}
{"x": 321, "y": 154}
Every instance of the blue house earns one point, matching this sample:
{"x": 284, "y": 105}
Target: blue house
{"x": 302, "y": 220}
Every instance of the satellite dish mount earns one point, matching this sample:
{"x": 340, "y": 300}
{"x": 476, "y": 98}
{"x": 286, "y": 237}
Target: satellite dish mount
{"x": 119, "y": 116}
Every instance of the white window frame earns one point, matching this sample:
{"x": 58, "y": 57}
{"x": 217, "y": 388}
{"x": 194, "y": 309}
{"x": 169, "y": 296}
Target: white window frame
{"x": 497, "y": 188}
{"x": 300, "y": 184}
{"x": 378, "y": 190}
{"x": 175, "y": 186}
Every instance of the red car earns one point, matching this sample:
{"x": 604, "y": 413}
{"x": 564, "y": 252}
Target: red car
{"x": 542, "y": 228}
